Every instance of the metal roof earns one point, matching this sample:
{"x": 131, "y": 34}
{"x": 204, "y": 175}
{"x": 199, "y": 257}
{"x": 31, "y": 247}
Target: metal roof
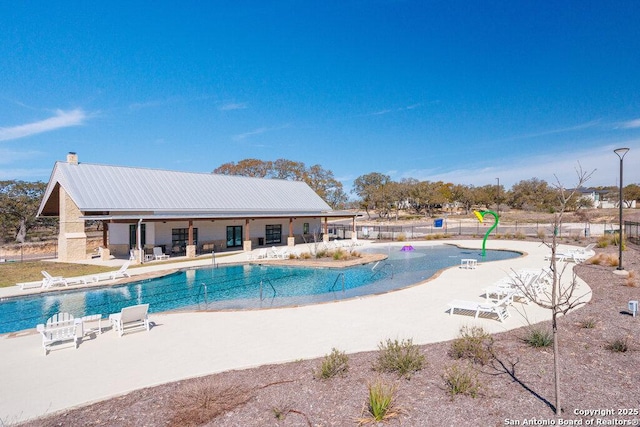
{"x": 103, "y": 188}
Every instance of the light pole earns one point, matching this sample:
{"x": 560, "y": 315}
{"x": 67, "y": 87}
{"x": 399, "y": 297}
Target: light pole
{"x": 620, "y": 152}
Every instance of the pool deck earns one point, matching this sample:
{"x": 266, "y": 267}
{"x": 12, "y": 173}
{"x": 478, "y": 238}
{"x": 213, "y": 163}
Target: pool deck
{"x": 190, "y": 344}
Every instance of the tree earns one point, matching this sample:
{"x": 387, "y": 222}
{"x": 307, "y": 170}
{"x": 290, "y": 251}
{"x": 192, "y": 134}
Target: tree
{"x": 19, "y": 203}
{"x": 369, "y": 188}
{"x": 532, "y": 194}
{"x": 464, "y": 195}
{"x": 247, "y": 167}
{"x": 631, "y": 193}
{"x": 320, "y": 180}
{"x": 562, "y": 298}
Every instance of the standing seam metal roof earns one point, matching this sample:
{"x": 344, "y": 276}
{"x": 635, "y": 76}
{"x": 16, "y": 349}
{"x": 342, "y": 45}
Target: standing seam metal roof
{"x": 116, "y": 188}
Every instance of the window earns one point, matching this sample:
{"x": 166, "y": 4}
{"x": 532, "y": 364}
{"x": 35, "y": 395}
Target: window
{"x": 273, "y": 234}
{"x": 305, "y": 228}
{"x": 180, "y": 239}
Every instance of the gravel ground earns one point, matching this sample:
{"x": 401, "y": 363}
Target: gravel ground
{"x": 516, "y": 385}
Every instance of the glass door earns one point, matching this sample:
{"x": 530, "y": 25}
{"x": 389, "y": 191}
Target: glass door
{"x": 234, "y": 236}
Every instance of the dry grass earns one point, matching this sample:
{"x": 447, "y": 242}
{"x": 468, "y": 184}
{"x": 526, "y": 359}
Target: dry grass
{"x": 607, "y": 259}
{"x": 202, "y": 400}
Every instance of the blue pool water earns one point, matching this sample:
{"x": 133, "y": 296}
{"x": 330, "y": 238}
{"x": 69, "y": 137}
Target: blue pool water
{"x": 244, "y": 286}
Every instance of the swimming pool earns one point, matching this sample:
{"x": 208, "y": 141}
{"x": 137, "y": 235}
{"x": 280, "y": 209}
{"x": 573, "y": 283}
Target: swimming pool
{"x": 245, "y": 286}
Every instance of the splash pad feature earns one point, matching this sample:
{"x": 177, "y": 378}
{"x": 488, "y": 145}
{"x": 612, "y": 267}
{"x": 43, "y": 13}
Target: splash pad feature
{"x": 480, "y": 215}
{"x": 407, "y": 248}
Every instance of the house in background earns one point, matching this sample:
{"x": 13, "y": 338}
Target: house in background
{"x": 184, "y": 213}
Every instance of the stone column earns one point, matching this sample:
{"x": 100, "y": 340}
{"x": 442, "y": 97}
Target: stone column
{"x": 72, "y": 240}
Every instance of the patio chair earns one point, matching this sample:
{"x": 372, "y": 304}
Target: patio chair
{"x": 498, "y": 308}
{"x": 130, "y": 318}
{"x": 113, "y": 275}
{"x": 60, "y": 327}
{"x": 157, "y": 253}
{"x": 50, "y": 280}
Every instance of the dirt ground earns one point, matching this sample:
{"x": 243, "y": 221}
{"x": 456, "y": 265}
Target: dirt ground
{"x": 516, "y": 385}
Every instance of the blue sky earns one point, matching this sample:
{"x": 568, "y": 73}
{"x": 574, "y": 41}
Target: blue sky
{"x": 460, "y": 91}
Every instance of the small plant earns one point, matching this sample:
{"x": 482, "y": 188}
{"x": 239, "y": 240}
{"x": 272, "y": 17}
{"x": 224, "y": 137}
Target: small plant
{"x": 339, "y": 254}
{"x": 603, "y": 241}
{"x": 474, "y": 344}
{"x": 381, "y": 403}
{"x": 305, "y": 255}
{"x": 321, "y": 253}
{"x": 588, "y": 324}
{"x": 280, "y": 412}
{"x": 401, "y": 237}
{"x": 631, "y": 280}
{"x": 401, "y": 357}
{"x": 538, "y": 338}
{"x": 619, "y": 345}
{"x": 462, "y": 380}
{"x": 335, "y": 363}
{"x": 520, "y": 235}
{"x": 540, "y": 234}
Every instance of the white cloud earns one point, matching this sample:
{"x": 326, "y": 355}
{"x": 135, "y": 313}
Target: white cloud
{"x": 258, "y": 131}
{"x": 10, "y": 156}
{"x": 62, "y": 119}
{"x": 631, "y": 124}
{"x": 551, "y": 168}
{"x": 233, "y": 106}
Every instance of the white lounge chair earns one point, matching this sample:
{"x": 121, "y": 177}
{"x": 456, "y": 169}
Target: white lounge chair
{"x": 130, "y": 318}
{"x": 50, "y": 280}
{"x": 113, "y": 275}
{"x": 30, "y": 285}
{"x": 60, "y": 327}
{"x": 498, "y": 308}
{"x": 157, "y": 253}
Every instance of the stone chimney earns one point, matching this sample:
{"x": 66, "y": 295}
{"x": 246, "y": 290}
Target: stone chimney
{"x": 72, "y": 158}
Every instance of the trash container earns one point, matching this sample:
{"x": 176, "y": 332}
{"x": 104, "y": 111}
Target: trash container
{"x": 437, "y": 223}
{"x": 586, "y": 232}
{"x": 260, "y": 241}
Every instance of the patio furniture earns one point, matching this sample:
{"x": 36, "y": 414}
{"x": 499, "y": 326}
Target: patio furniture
{"x": 468, "y": 263}
{"x": 498, "y": 308}
{"x": 130, "y": 318}
{"x": 113, "y": 275}
{"x": 59, "y": 328}
{"x": 50, "y": 280}
{"x": 157, "y": 253}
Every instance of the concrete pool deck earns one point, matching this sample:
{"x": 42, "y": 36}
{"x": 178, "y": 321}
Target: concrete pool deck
{"x": 189, "y": 344}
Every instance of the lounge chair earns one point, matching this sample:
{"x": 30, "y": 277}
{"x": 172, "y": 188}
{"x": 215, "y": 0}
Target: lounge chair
{"x": 498, "y": 308}
{"x": 30, "y": 285}
{"x": 130, "y": 318}
{"x": 50, "y": 280}
{"x": 113, "y": 275}
{"x": 60, "y": 327}
{"x": 157, "y": 253}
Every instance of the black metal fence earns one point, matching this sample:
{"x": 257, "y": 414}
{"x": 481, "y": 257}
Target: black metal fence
{"x": 504, "y": 229}
{"x": 632, "y": 231}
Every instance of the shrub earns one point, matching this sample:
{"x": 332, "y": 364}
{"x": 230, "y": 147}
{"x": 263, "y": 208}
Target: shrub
{"x": 202, "y": 400}
{"x": 401, "y": 237}
{"x": 619, "y": 345}
{"x": 321, "y": 253}
{"x": 462, "y": 380}
{"x": 604, "y": 259}
{"x": 540, "y": 234}
{"x": 474, "y": 344}
{"x": 335, "y": 363}
{"x": 588, "y": 324}
{"x": 537, "y": 337}
{"x": 401, "y": 357}
{"x": 631, "y": 280}
{"x": 339, "y": 254}
{"x": 381, "y": 402}
{"x": 520, "y": 235}
{"x": 603, "y": 241}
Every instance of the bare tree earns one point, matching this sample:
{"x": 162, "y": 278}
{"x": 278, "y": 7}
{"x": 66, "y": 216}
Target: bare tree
{"x": 562, "y": 297}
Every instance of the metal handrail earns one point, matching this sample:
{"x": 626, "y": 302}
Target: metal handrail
{"x": 384, "y": 266}
{"x": 203, "y": 286}
{"x": 270, "y": 284}
{"x": 336, "y": 281}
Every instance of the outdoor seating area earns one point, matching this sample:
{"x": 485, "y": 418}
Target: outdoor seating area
{"x": 64, "y": 327}
{"x": 577, "y": 256}
{"x": 49, "y": 281}
{"x": 521, "y": 286}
